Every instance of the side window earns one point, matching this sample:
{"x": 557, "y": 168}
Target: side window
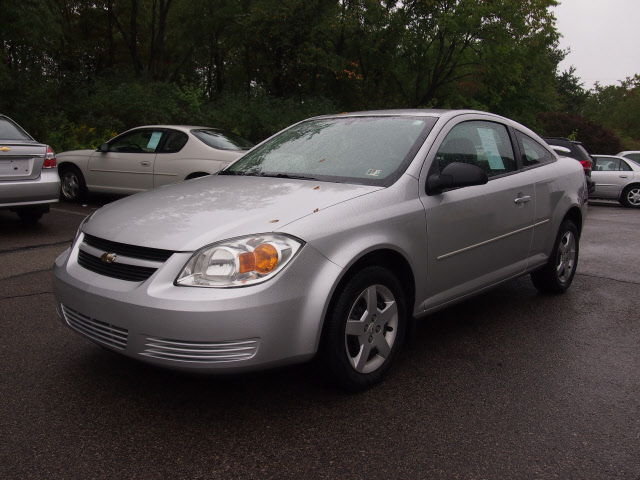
{"x": 485, "y": 144}
{"x": 624, "y": 166}
{"x": 175, "y": 141}
{"x": 532, "y": 152}
{"x": 139, "y": 141}
{"x": 604, "y": 164}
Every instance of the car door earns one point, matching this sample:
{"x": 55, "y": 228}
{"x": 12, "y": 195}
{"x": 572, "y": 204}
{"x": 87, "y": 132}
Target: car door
{"x": 170, "y": 159}
{"x": 477, "y": 235}
{"x": 127, "y": 166}
{"x": 610, "y": 175}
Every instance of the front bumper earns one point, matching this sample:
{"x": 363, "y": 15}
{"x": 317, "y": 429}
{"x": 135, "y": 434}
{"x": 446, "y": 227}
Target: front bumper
{"x": 199, "y": 329}
{"x": 43, "y": 190}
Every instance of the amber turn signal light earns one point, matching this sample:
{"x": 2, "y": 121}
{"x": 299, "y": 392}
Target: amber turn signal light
{"x": 263, "y": 259}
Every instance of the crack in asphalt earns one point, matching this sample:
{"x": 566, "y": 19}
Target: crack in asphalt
{"x": 35, "y": 247}
{"x": 24, "y": 274}
{"x": 26, "y": 295}
{"x": 607, "y": 278}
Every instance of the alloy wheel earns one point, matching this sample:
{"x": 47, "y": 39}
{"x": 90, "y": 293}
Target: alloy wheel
{"x": 371, "y": 329}
{"x": 70, "y": 185}
{"x": 566, "y": 258}
{"x": 633, "y": 197}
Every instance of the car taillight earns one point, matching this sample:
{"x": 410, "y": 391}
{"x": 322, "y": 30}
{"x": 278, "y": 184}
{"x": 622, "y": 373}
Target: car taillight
{"x": 50, "y": 159}
{"x": 586, "y": 164}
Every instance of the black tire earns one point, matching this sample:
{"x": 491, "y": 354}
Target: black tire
{"x": 31, "y": 214}
{"x": 72, "y": 185}
{"x": 631, "y": 196}
{"x": 556, "y": 276}
{"x": 358, "y": 347}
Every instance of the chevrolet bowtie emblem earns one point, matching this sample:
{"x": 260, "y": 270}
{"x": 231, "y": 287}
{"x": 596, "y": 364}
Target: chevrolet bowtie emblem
{"x": 108, "y": 257}
{"x": 5, "y": 149}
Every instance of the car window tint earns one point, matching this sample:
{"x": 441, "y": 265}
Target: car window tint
{"x": 604, "y": 164}
{"x": 485, "y": 144}
{"x": 175, "y": 141}
{"x": 138, "y": 141}
{"x": 624, "y": 166}
{"x": 11, "y": 131}
{"x": 222, "y": 140}
{"x": 533, "y": 153}
{"x": 633, "y": 156}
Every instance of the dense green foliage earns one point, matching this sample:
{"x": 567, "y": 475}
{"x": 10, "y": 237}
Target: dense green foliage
{"x": 75, "y": 72}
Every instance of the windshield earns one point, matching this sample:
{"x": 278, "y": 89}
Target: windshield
{"x": 11, "y": 131}
{"x": 363, "y": 150}
{"x": 222, "y": 140}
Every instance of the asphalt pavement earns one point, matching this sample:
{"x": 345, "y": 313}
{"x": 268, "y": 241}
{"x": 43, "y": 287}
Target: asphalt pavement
{"x": 511, "y": 384}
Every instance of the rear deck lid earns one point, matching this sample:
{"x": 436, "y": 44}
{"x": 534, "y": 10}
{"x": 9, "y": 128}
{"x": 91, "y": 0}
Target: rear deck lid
{"x": 21, "y": 160}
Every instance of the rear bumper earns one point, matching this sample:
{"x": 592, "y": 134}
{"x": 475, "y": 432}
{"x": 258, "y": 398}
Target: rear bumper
{"x": 43, "y": 190}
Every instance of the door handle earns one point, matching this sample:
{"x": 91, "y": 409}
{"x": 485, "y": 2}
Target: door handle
{"x": 521, "y": 200}
{"x": 145, "y": 163}
{"x": 624, "y": 176}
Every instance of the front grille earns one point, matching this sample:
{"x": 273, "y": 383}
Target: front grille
{"x": 133, "y": 251}
{"x": 96, "y": 330}
{"x": 122, "y": 271}
{"x": 200, "y": 352}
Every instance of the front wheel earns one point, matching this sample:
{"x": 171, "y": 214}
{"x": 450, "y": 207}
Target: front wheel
{"x": 365, "y": 328}
{"x": 72, "y": 184}
{"x": 556, "y": 276}
{"x": 631, "y": 196}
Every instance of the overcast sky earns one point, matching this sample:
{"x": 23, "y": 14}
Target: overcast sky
{"x": 604, "y": 38}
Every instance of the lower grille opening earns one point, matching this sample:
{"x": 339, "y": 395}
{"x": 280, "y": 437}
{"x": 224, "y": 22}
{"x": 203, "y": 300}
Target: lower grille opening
{"x": 96, "y": 330}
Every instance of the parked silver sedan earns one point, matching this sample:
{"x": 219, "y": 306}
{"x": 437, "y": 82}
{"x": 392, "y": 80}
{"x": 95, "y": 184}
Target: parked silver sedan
{"x": 617, "y": 178}
{"x": 631, "y": 154}
{"x": 327, "y": 239}
{"x": 29, "y": 181}
{"x": 148, "y": 157}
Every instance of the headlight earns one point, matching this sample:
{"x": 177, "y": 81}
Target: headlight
{"x": 239, "y": 262}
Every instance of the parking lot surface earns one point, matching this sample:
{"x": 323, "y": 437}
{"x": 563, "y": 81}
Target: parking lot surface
{"x": 510, "y": 384}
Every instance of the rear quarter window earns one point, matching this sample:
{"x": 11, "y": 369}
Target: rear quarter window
{"x": 533, "y": 153}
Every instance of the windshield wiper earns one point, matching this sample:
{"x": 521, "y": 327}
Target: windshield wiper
{"x": 287, "y": 175}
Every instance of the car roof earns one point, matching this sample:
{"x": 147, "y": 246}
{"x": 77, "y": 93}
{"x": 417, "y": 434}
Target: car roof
{"x": 178, "y": 127}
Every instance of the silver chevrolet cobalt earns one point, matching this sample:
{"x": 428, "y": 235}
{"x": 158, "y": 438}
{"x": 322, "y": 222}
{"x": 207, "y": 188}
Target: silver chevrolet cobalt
{"x": 326, "y": 241}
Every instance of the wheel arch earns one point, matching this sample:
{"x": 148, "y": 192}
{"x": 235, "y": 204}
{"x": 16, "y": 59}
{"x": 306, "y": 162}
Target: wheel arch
{"x": 575, "y": 215}
{"x": 196, "y": 175}
{"x": 66, "y": 164}
{"x": 388, "y": 258}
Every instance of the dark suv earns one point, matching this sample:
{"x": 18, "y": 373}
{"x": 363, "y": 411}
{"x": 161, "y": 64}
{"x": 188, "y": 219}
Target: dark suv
{"x": 573, "y": 149}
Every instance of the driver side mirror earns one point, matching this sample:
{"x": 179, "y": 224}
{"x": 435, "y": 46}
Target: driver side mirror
{"x": 103, "y": 148}
{"x": 456, "y": 175}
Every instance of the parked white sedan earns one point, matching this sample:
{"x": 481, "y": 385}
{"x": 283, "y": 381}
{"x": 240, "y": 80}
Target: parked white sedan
{"x": 148, "y": 157}
{"x": 617, "y": 178}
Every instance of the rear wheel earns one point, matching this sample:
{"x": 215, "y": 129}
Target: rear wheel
{"x": 72, "y": 184}
{"x": 556, "y": 276}
{"x": 32, "y": 214}
{"x": 365, "y": 329}
{"x": 631, "y": 196}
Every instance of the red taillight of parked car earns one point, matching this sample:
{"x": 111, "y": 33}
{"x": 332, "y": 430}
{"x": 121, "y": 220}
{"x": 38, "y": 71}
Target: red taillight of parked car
{"x": 586, "y": 164}
{"x": 50, "y": 159}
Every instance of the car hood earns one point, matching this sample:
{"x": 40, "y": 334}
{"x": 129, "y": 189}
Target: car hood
{"x": 75, "y": 153}
{"x": 192, "y": 214}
